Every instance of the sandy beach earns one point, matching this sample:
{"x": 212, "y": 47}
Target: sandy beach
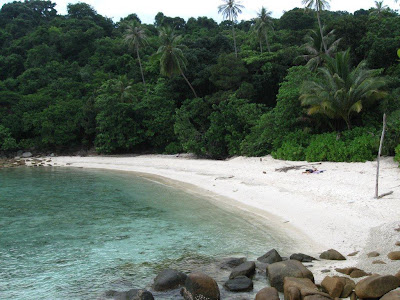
{"x": 332, "y": 209}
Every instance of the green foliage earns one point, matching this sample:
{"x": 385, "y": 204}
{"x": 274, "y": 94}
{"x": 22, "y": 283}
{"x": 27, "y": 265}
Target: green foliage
{"x": 392, "y": 136}
{"x": 397, "y": 156}
{"x": 293, "y": 146}
{"x": 7, "y": 142}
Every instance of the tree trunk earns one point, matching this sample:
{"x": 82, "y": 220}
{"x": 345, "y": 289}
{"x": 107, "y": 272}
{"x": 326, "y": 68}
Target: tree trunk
{"x": 234, "y": 38}
{"x": 266, "y": 40}
{"x": 320, "y": 30}
{"x": 261, "y": 47}
{"x": 191, "y": 87}
{"x": 141, "y": 69}
{"x": 379, "y": 155}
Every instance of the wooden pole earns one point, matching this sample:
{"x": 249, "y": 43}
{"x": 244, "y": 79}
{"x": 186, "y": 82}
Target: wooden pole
{"x": 379, "y": 155}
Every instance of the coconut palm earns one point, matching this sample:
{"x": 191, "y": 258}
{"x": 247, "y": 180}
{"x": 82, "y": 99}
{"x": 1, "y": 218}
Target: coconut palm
{"x": 263, "y": 24}
{"x": 172, "y": 59}
{"x": 314, "y": 47}
{"x": 230, "y": 10}
{"x": 379, "y": 8}
{"x": 341, "y": 89}
{"x": 135, "y": 37}
{"x": 319, "y": 5}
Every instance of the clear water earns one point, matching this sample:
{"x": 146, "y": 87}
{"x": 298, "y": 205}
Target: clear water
{"x": 73, "y": 234}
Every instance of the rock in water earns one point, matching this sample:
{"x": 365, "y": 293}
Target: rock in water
{"x": 239, "y": 284}
{"x": 232, "y": 262}
{"x": 302, "y": 257}
{"x": 270, "y": 257}
{"x": 133, "y": 294}
{"x": 200, "y": 286}
{"x": 247, "y": 268}
{"x": 376, "y": 286}
{"x": 289, "y": 268}
{"x": 332, "y": 254}
{"x": 169, "y": 279}
{"x": 268, "y": 293}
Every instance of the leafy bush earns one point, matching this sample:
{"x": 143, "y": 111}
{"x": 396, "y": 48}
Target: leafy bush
{"x": 7, "y": 142}
{"x": 392, "y": 137}
{"x": 357, "y": 145}
{"x": 397, "y": 157}
{"x": 293, "y": 147}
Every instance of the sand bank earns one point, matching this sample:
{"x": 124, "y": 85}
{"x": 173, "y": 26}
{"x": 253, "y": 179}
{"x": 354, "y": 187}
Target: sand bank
{"x": 332, "y": 209}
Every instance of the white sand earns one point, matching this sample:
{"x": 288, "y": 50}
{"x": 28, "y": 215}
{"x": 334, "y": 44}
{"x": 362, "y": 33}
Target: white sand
{"x": 333, "y": 209}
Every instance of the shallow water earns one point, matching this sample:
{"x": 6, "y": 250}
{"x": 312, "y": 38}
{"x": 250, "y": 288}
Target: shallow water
{"x": 74, "y": 234}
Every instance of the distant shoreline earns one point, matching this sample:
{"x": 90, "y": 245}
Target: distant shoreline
{"x": 333, "y": 209}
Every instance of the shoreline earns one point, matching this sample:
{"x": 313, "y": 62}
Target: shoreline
{"x": 333, "y": 209}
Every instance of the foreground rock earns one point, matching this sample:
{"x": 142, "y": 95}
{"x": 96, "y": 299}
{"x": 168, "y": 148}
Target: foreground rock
{"x": 239, "y": 284}
{"x": 169, "y": 279}
{"x": 348, "y": 286}
{"x": 332, "y": 254}
{"x": 300, "y": 288}
{"x": 200, "y": 286}
{"x": 133, "y": 294}
{"x": 393, "y": 295}
{"x": 336, "y": 286}
{"x": 376, "y": 286}
{"x": 290, "y": 268}
{"x": 302, "y": 257}
{"x": 270, "y": 257}
{"x": 247, "y": 268}
{"x": 268, "y": 293}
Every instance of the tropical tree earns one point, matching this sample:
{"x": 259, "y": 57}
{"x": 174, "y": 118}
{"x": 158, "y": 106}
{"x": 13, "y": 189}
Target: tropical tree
{"x": 230, "y": 10}
{"x": 379, "y": 8}
{"x": 135, "y": 37}
{"x": 341, "y": 89}
{"x": 319, "y": 5}
{"x": 263, "y": 24}
{"x": 314, "y": 47}
{"x": 172, "y": 59}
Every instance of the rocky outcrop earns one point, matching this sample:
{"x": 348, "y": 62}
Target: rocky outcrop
{"x": 169, "y": 279}
{"x": 332, "y": 254}
{"x": 302, "y": 257}
{"x": 270, "y": 257}
{"x": 239, "y": 284}
{"x": 133, "y": 294}
{"x": 268, "y": 293}
{"x": 200, "y": 286}
{"x": 289, "y": 268}
{"x": 376, "y": 286}
{"x": 247, "y": 268}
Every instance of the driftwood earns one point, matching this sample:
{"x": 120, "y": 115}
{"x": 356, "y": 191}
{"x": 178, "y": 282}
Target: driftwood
{"x": 285, "y": 169}
{"x": 385, "y": 194}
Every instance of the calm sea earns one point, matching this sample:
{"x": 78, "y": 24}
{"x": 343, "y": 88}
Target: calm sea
{"x": 74, "y": 234}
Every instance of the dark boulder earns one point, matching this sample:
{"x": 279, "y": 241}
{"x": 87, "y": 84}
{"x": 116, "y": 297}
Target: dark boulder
{"x": 133, "y": 294}
{"x": 289, "y": 268}
{"x": 169, "y": 279}
{"x": 270, "y": 257}
{"x": 200, "y": 286}
{"x": 231, "y": 262}
{"x": 247, "y": 268}
{"x": 239, "y": 284}
{"x": 302, "y": 257}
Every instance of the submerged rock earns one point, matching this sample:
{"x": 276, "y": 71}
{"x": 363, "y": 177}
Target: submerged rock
{"x": 239, "y": 284}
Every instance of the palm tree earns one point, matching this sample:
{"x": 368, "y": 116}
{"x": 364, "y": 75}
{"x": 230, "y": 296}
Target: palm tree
{"x": 135, "y": 37}
{"x": 342, "y": 90}
{"x": 379, "y": 8}
{"x": 230, "y": 10}
{"x": 319, "y": 5}
{"x": 314, "y": 47}
{"x": 263, "y": 24}
{"x": 172, "y": 60}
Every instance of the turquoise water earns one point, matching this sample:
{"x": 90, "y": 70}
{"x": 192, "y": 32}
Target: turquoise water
{"x": 73, "y": 234}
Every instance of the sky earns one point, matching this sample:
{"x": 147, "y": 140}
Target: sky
{"x": 147, "y": 9}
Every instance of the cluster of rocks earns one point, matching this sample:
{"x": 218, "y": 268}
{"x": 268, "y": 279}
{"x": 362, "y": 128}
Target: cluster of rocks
{"x": 25, "y": 159}
{"x": 285, "y": 275}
